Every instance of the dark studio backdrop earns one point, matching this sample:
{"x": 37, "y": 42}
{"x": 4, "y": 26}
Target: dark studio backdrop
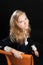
{"x": 34, "y": 11}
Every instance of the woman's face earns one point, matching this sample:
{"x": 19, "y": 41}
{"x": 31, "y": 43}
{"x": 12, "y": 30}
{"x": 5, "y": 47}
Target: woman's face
{"x": 23, "y": 21}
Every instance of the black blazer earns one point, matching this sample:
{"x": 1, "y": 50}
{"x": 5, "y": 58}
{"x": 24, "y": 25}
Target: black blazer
{"x": 7, "y": 42}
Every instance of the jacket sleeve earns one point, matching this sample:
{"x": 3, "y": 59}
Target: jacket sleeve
{"x": 7, "y": 43}
{"x": 3, "y": 43}
{"x": 32, "y": 44}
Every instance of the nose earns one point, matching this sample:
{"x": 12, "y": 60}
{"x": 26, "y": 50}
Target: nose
{"x": 25, "y": 22}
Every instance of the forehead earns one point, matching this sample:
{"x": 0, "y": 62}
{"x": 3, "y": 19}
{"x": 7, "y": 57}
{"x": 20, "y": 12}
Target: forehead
{"x": 22, "y": 17}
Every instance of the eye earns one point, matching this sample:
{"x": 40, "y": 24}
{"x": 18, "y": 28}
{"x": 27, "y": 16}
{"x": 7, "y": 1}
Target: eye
{"x": 21, "y": 21}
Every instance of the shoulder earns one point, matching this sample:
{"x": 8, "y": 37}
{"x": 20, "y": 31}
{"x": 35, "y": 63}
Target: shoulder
{"x": 5, "y": 41}
{"x": 30, "y": 40}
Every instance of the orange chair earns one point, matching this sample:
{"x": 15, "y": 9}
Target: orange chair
{"x": 11, "y": 60}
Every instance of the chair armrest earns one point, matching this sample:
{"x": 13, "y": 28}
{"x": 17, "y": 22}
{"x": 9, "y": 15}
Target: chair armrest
{"x": 12, "y": 60}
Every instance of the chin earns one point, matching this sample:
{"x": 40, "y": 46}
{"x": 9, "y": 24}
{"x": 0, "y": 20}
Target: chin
{"x": 26, "y": 28}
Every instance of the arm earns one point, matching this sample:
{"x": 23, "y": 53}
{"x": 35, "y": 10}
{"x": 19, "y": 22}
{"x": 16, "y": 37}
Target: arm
{"x": 34, "y": 48}
{"x": 6, "y": 45}
{"x": 15, "y": 52}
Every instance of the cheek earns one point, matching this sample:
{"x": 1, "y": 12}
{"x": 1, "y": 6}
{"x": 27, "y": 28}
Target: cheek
{"x": 21, "y": 25}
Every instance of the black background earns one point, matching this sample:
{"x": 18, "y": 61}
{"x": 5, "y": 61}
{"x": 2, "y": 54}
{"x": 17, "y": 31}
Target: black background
{"x": 34, "y": 11}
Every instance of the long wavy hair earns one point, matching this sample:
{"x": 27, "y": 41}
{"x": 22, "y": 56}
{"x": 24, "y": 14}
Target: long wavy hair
{"x": 16, "y": 33}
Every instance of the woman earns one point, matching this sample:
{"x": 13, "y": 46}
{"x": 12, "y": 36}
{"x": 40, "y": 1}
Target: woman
{"x": 19, "y": 40}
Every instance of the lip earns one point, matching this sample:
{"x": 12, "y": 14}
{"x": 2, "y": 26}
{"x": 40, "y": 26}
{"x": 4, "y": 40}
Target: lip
{"x": 26, "y": 26}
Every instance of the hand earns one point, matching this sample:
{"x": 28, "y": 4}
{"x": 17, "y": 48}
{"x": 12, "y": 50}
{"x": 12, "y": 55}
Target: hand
{"x": 36, "y": 53}
{"x": 17, "y": 53}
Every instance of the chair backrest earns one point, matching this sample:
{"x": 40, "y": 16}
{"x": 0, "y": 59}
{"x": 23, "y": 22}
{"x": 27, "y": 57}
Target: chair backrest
{"x": 11, "y": 60}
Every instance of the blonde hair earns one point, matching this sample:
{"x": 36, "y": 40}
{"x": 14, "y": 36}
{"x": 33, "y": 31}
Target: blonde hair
{"x": 16, "y": 33}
